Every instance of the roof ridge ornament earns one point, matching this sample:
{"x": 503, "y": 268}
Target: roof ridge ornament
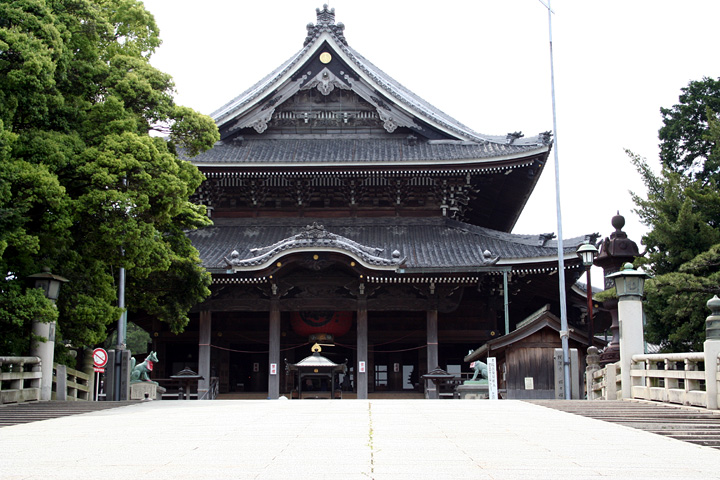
{"x": 325, "y": 16}
{"x": 325, "y": 23}
{"x": 545, "y": 137}
{"x": 511, "y": 137}
{"x": 544, "y": 238}
{"x": 315, "y": 232}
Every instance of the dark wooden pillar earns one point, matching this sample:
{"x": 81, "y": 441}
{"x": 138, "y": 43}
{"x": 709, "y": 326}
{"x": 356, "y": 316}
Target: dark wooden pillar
{"x": 432, "y": 350}
{"x": 361, "y": 378}
{"x": 204, "y": 337}
{"x": 274, "y": 354}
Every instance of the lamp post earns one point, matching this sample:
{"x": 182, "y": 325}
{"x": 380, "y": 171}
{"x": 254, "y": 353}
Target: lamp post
{"x": 50, "y": 285}
{"x": 630, "y": 286}
{"x": 587, "y": 253}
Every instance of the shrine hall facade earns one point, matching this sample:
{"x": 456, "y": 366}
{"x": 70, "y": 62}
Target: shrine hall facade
{"x": 351, "y": 213}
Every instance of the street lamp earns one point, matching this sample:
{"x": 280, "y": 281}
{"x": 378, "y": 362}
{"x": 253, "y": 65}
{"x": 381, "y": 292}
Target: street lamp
{"x": 587, "y": 253}
{"x": 629, "y": 285}
{"x": 45, "y": 350}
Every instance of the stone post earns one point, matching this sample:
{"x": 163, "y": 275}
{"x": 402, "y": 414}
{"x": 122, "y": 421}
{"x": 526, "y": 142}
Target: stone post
{"x": 632, "y": 339}
{"x": 88, "y": 368}
{"x": 593, "y": 365}
{"x": 629, "y": 285}
{"x": 712, "y": 349}
{"x": 432, "y": 351}
{"x": 204, "y": 353}
{"x": 45, "y": 349}
{"x": 61, "y": 383}
{"x": 274, "y": 349}
{"x": 361, "y": 379}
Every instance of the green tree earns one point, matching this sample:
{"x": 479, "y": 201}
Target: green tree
{"x": 682, "y": 209}
{"x": 685, "y": 146}
{"x": 84, "y": 187}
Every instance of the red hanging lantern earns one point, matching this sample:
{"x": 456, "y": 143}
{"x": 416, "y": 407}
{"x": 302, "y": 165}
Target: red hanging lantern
{"x": 321, "y": 322}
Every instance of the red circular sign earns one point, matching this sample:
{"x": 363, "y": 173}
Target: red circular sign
{"x": 99, "y": 357}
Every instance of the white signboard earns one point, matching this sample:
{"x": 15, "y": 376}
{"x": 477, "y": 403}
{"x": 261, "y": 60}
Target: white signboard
{"x": 361, "y": 367}
{"x": 492, "y": 378}
{"x": 273, "y": 369}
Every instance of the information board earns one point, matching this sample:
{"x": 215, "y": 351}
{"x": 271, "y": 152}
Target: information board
{"x": 492, "y": 378}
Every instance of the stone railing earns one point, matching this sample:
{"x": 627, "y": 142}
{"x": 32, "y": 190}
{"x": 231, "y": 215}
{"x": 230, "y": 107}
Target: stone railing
{"x": 679, "y": 378}
{"x": 70, "y": 384}
{"x": 20, "y": 379}
{"x": 670, "y": 378}
{"x": 605, "y": 383}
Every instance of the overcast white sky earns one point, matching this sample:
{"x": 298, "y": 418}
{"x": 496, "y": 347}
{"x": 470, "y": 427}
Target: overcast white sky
{"x": 485, "y": 63}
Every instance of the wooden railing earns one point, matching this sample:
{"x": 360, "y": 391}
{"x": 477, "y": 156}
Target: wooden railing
{"x": 20, "y": 379}
{"x": 670, "y": 378}
{"x": 70, "y": 384}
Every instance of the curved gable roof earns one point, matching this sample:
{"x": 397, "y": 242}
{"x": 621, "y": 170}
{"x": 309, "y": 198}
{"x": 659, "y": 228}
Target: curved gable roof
{"x": 404, "y": 104}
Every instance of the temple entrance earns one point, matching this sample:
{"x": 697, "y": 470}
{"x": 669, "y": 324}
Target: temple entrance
{"x": 248, "y": 372}
{"x": 397, "y": 371}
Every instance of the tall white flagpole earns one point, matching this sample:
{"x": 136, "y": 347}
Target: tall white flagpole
{"x": 561, "y": 260}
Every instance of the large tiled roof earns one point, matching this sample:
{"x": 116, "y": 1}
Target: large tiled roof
{"x": 354, "y": 151}
{"x": 435, "y": 242}
{"x": 327, "y": 29}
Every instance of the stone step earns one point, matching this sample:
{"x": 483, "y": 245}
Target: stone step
{"x": 14, "y": 414}
{"x": 686, "y": 424}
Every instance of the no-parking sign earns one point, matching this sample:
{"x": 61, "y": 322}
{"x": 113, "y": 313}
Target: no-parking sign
{"x": 100, "y": 357}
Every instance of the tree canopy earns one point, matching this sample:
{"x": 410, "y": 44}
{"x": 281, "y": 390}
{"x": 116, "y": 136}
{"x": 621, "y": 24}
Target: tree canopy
{"x": 84, "y": 187}
{"x": 682, "y": 209}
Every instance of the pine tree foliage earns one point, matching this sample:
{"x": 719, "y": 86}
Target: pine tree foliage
{"x": 682, "y": 209}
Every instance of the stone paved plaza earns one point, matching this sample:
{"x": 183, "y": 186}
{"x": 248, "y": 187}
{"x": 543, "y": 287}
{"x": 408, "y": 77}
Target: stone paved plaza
{"x": 346, "y": 439}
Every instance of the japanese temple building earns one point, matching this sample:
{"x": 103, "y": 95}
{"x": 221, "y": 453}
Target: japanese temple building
{"x": 351, "y": 213}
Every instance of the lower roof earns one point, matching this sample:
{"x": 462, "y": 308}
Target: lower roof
{"x": 406, "y": 244}
{"x": 304, "y": 152}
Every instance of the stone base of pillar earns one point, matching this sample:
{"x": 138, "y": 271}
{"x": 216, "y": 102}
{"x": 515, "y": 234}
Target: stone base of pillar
{"x": 473, "y": 391}
{"x": 146, "y": 391}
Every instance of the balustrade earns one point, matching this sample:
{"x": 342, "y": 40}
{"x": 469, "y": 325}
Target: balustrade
{"x": 20, "y": 379}
{"x": 671, "y": 378}
{"x": 70, "y": 384}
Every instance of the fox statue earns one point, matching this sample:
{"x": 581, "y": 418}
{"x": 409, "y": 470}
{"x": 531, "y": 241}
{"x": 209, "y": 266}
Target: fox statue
{"x": 141, "y": 372}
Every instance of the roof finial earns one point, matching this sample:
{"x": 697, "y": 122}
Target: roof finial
{"x": 325, "y": 16}
{"x": 325, "y": 23}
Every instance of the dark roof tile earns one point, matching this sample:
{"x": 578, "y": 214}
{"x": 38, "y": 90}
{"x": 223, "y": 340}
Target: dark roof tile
{"x": 350, "y": 151}
{"x": 424, "y": 242}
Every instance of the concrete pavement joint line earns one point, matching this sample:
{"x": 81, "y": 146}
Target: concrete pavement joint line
{"x": 370, "y": 441}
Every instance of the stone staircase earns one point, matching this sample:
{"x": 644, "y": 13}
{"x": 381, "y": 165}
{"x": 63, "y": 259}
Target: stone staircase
{"x": 701, "y": 427}
{"x": 14, "y": 414}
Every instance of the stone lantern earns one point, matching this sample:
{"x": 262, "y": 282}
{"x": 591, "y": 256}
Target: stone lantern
{"x": 50, "y": 285}
{"x": 615, "y": 251}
